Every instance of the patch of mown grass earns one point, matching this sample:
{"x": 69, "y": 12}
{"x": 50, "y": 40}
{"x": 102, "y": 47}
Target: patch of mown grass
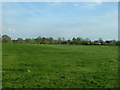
{"x": 59, "y": 66}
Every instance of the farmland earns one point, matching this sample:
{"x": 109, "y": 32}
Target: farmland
{"x": 59, "y": 66}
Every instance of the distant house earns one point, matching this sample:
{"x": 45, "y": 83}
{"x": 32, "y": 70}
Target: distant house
{"x": 98, "y": 43}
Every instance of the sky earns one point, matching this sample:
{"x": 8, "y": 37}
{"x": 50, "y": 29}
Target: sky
{"x": 91, "y": 20}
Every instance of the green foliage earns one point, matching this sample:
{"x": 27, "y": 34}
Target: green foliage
{"x": 19, "y": 40}
{"x": 60, "y": 40}
{"x": 59, "y": 66}
{"x": 38, "y": 40}
{"x": 6, "y": 38}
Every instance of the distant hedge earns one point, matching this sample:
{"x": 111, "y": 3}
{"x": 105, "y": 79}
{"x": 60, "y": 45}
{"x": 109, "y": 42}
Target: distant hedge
{"x": 60, "y": 40}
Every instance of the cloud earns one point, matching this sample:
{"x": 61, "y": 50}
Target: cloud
{"x": 56, "y": 4}
{"x": 88, "y": 5}
{"x": 99, "y": 1}
{"x": 8, "y": 30}
{"x": 11, "y": 30}
{"x": 60, "y": 0}
{"x": 91, "y": 5}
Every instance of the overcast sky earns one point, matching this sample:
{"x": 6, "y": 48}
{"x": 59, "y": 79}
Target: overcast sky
{"x": 60, "y": 19}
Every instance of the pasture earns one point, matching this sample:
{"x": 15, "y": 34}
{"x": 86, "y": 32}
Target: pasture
{"x": 59, "y": 66}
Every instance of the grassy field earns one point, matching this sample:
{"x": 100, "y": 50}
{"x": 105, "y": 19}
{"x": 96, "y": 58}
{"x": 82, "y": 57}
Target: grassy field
{"x": 59, "y": 66}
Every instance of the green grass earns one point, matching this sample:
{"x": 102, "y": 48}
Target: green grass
{"x": 59, "y": 66}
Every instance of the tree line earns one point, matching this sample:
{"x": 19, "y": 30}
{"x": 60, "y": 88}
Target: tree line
{"x": 60, "y": 40}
